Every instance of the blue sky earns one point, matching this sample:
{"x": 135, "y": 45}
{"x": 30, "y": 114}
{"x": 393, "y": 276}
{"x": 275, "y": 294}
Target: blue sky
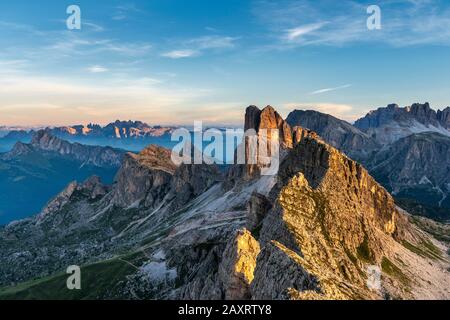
{"x": 173, "y": 61}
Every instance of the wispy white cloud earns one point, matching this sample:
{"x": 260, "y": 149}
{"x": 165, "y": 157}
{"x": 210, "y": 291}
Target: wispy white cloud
{"x": 197, "y": 46}
{"x": 93, "y": 26}
{"x": 97, "y": 69}
{"x": 324, "y": 90}
{"x": 123, "y": 12}
{"x": 74, "y": 44}
{"x": 294, "y": 33}
{"x": 178, "y": 54}
{"x": 212, "y": 42}
{"x": 20, "y": 27}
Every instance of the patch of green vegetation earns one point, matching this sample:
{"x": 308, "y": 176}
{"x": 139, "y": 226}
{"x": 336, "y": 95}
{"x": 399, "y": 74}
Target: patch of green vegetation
{"x": 392, "y": 270}
{"x": 352, "y": 258}
{"x": 363, "y": 251}
{"x": 322, "y": 210}
{"x": 99, "y": 280}
{"x": 256, "y": 232}
{"x": 432, "y": 248}
{"x": 426, "y": 249}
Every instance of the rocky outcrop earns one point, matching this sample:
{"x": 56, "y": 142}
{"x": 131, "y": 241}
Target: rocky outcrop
{"x": 271, "y": 284}
{"x": 444, "y": 117}
{"x": 144, "y": 178}
{"x": 92, "y": 188}
{"x": 262, "y": 122}
{"x": 416, "y": 167}
{"x": 268, "y": 119}
{"x": 238, "y": 265}
{"x": 191, "y": 180}
{"x": 387, "y": 125}
{"x": 257, "y": 208}
{"x": 329, "y": 221}
{"x": 336, "y": 132}
{"x": 19, "y": 149}
{"x": 59, "y": 201}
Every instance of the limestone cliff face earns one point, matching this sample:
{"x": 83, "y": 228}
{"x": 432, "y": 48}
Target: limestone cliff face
{"x": 444, "y": 117}
{"x": 338, "y": 133}
{"x": 236, "y": 271}
{"x": 144, "y": 178}
{"x": 268, "y": 119}
{"x": 416, "y": 167}
{"x": 262, "y": 121}
{"x": 330, "y": 219}
{"x": 150, "y": 177}
{"x": 191, "y": 180}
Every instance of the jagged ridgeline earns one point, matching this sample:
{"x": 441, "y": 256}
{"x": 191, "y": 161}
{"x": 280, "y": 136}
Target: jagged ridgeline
{"x": 316, "y": 230}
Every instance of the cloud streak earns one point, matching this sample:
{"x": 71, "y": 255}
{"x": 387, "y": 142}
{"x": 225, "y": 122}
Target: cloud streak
{"x": 97, "y": 69}
{"x": 179, "y": 54}
{"x": 198, "y": 46}
{"x": 295, "y": 33}
{"x": 325, "y": 90}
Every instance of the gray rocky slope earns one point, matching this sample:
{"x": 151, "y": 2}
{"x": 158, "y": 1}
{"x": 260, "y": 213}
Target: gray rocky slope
{"x": 387, "y": 125}
{"x": 188, "y": 232}
{"x": 338, "y": 133}
{"x": 405, "y": 149}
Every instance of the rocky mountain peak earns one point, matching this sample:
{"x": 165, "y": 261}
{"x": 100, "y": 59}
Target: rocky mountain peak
{"x": 43, "y": 139}
{"x": 424, "y": 114}
{"x": 389, "y": 124}
{"x": 144, "y": 179}
{"x": 392, "y": 106}
{"x": 252, "y": 118}
{"x": 58, "y": 202}
{"x": 262, "y": 121}
{"x": 92, "y": 188}
{"x": 330, "y": 220}
{"x": 444, "y": 117}
{"x": 156, "y": 157}
{"x": 268, "y": 118}
{"x": 340, "y": 134}
{"x": 19, "y": 149}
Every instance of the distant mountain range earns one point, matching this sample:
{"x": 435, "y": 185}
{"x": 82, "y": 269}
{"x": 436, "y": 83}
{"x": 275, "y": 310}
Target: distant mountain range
{"x": 30, "y": 174}
{"x": 387, "y": 125}
{"x": 129, "y": 135}
{"x": 316, "y": 230}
